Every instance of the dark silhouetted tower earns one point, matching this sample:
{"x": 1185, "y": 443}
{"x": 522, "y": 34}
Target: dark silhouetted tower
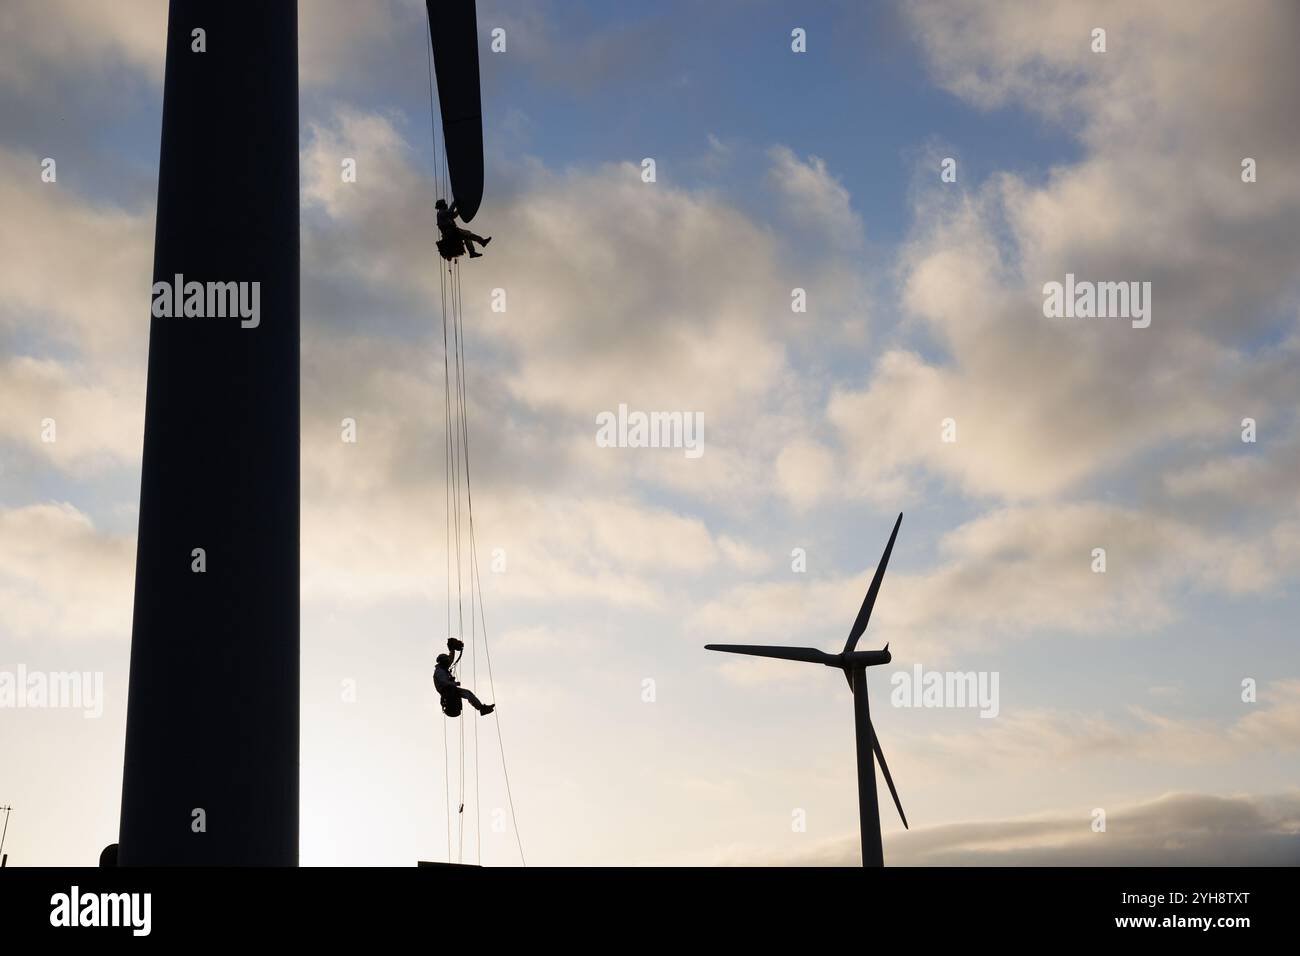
{"x": 212, "y": 720}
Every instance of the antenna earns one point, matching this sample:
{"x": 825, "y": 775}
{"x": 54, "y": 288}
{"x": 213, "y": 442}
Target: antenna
{"x": 854, "y": 663}
{"x": 4, "y": 833}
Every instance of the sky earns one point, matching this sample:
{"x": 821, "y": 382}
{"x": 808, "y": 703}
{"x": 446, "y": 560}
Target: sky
{"x": 1145, "y": 714}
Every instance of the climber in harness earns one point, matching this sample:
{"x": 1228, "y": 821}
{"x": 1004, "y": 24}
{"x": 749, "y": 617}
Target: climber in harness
{"x": 455, "y": 239}
{"x": 449, "y": 688}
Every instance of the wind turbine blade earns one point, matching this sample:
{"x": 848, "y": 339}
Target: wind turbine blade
{"x": 884, "y": 767}
{"x": 453, "y": 27}
{"x": 869, "y": 602}
{"x": 809, "y": 654}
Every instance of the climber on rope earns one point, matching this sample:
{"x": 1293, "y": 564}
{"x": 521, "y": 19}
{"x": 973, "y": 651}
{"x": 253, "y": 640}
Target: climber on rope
{"x": 454, "y": 238}
{"x": 449, "y": 688}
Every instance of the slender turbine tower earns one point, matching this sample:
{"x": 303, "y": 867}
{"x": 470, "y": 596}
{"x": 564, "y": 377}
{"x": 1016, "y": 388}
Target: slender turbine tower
{"x": 210, "y": 775}
{"x": 854, "y": 663}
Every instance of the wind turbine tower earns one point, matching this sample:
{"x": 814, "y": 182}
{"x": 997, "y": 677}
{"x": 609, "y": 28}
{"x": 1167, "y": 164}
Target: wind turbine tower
{"x": 854, "y": 664}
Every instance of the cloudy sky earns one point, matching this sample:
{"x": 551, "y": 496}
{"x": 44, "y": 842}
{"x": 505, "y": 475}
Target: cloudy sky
{"x": 1119, "y": 692}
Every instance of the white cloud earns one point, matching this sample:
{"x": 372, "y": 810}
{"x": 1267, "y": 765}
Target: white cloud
{"x": 61, "y": 578}
{"x": 1027, "y": 738}
{"x": 813, "y": 199}
{"x": 805, "y": 471}
{"x": 1043, "y": 407}
{"x": 1010, "y": 575}
{"x": 41, "y": 36}
{"x": 78, "y": 273}
{"x": 1176, "y": 829}
{"x": 95, "y": 419}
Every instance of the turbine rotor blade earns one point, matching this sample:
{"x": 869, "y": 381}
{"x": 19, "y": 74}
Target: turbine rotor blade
{"x": 809, "y": 654}
{"x": 884, "y": 767}
{"x": 864, "y": 615}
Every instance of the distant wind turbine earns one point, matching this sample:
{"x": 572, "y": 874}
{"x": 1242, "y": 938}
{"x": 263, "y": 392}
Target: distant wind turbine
{"x": 854, "y": 663}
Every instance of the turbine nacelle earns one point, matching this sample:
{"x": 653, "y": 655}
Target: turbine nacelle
{"x": 866, "y": 658}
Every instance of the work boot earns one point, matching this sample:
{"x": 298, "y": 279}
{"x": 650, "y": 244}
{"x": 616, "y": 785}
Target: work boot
{"x": 486, "y": 709}
{"x": 487, "y": 240}
{"x": 476, "y": 255}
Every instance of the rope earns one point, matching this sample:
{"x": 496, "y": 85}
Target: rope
{"x": 473, "y": 618}
{"x": 462, "y": 406}
{"x": 447, "y": 495}
{"x": 460, "y": 813}
{"x": 458, "y": 319}
{"x": 476, "y": 580}
{"x": 446, "y": 783}
{"x": 456, "y": 421}
{"x": 505, "y": 772}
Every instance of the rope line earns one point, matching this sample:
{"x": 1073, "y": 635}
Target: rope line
{"x": 447, "y": 495}
{"x": 461, "y": 526}
{"x": 476, "y": 580}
